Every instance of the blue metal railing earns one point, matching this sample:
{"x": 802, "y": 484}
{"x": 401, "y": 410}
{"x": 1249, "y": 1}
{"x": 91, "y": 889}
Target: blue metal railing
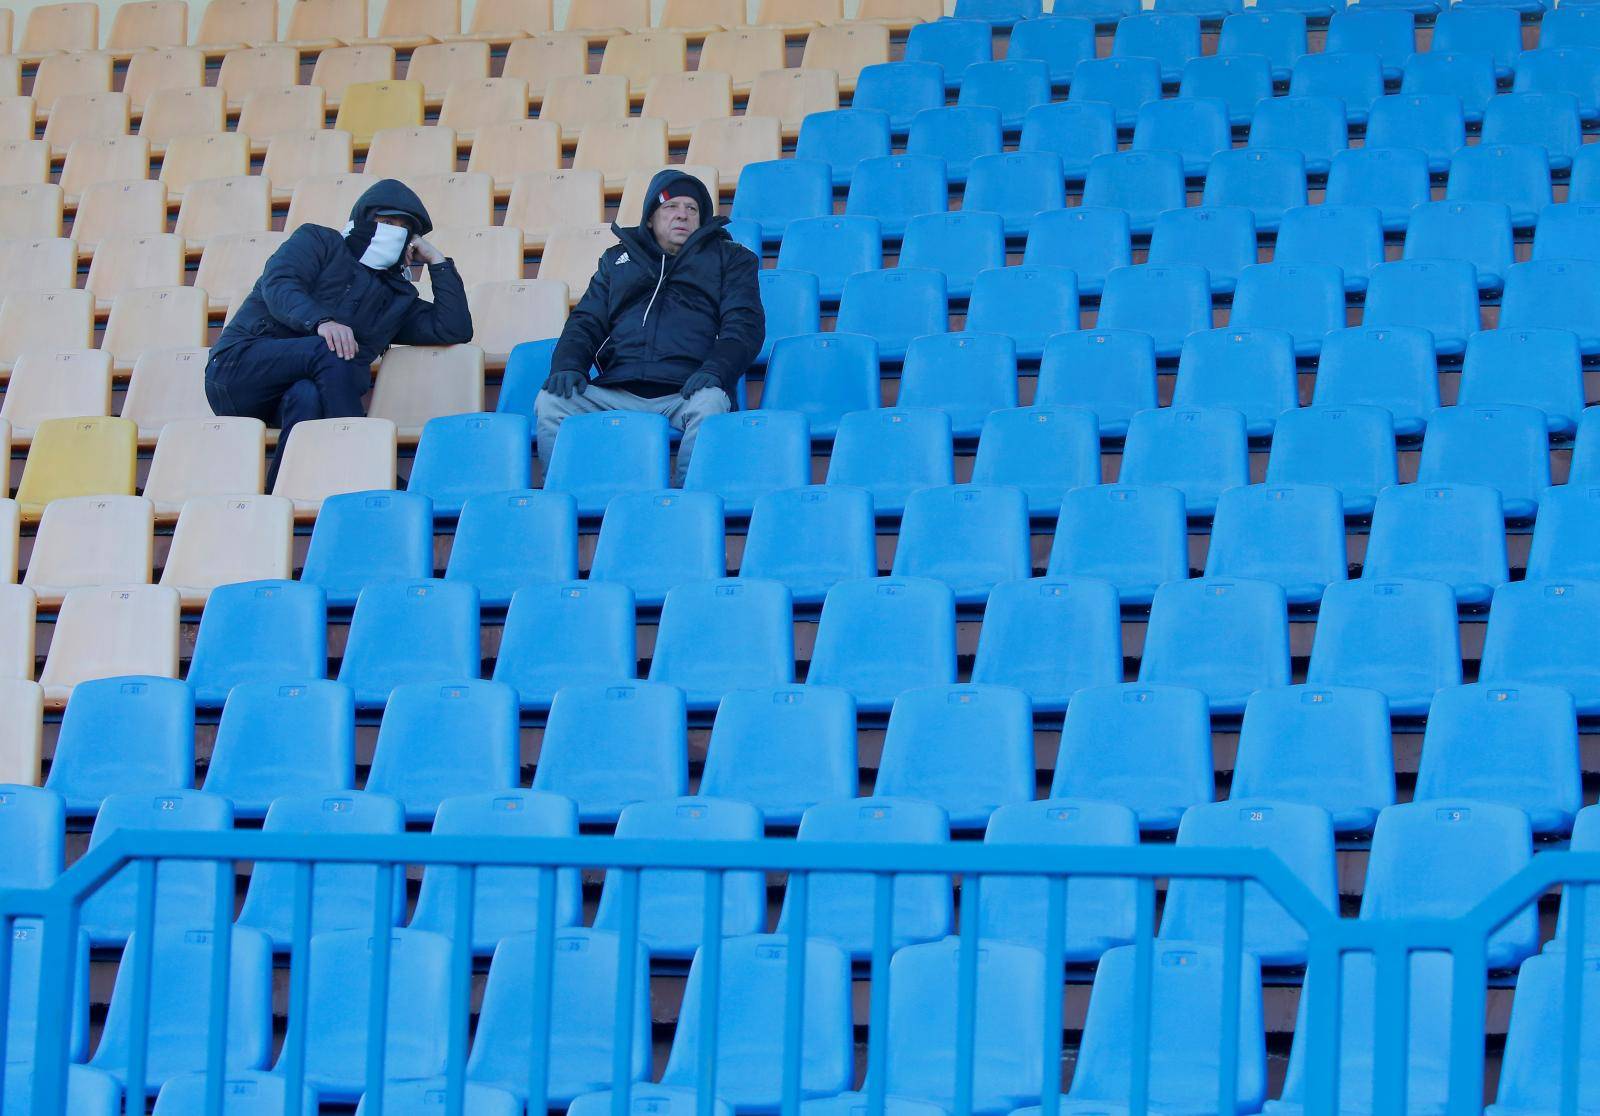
{"x": 1330, "y": 938}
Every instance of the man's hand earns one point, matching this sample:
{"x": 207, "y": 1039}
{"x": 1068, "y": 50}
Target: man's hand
{"x": 420, "y": 251}
{"x": 698, "y": 382}
{"x": 341, "y": 339}
{"x": 566, "y": 384}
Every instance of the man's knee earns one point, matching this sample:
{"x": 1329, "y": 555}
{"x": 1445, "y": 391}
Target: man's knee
{"x": 300, "y": 402}
{"x": 705, "y": 403}
{"x": 547, "y": 406}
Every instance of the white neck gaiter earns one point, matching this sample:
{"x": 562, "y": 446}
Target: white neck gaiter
{"x": 388, "y": 242}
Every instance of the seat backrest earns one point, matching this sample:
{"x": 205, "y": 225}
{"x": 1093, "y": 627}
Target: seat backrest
{"x": 370, "y": 106}
{"x": 440, "y": 65}
{"x": 77, "y": 457}
{"x": 151, "y": 720}
{"x": 205, "y": 457}
{"x": 233, "y": 262}
{"x": 64, "y": 383}
{"x": 171, "y": 113}
{"x": 810, "y": 538}
{"x": 411, "y": 151}
{"x": 92, "y": 540}
{"x": 151, "y": 318}
{"x": 417, "y": 383}
{"x": 566, "y": 632}
{"x": 283, "y": 737}
{"x": 249, "y": 69}
{"x": 260, "y": 631}
{"x": 50, "y": 262}
{"x": 338, "y": 68}
{"x": 439, "y": 740}
{"x": 289, "y": 109}
{"x": 215, "y": 206}
{"x": 328, "y": 456}
{"x": 606, "y": 746}
{"x": 508, "y": 151}
{"x": 540, "y": 58}
{"x": 928, "y": 751}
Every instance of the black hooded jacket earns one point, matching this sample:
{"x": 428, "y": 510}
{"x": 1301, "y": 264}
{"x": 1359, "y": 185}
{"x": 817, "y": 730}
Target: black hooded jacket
{"x": 317, "y": 275}
{"x": 652, "y": 318}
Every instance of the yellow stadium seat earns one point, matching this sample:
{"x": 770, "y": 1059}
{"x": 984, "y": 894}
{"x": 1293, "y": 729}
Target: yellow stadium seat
{"x": 47, "y": 263}
{"x": 325, "y": 457}
{"x": 541, "y": 59}
{"x": 570, "y": 256}
{"x": 224, "y": 539}
{"x": 224, "y": 205}
{"x": 148, "y": 25}
{"x": 86, "y": 116}
{"x": 90, "y": 540}
{"x": 325, "y": 201}
{"x": 503, "y": 21}
{"x": 412, "y": 23}
{"x": 10, "y": 527}
{"x": 110, "y": 631}
{"x": 30, "y": 212}
{"x": 183, "y": 112}
{"x": 438, "y": 66}
{"x": 630, "y": 211}
{"x": 901, "y": 15}
{"x": 574, "y": 102}
{"x": 742, "y": 53}
{"x": 55, "y": 384}
{"x": 505, "y": 152}
{"x": 326, "y": 23}
{"x": 792, "y": 95}
{"x": 248, "y": 69}
{"x": 730, "y": 144}
{"x": 230, "y": 24}
{"x": 230, "y": 266}
{"x": 338, "y": 69}
{"x": 845, "y": 48}
{"x": 24, "y": 162}
{"x": 607, "y": 15}
{"x": 18, "y": 618}
{"x": 127, "y": 263}
{"x": 550, "y": 200}
{"x": 71, "y": 75}
{"x": 111, "y": 159}
{"x": 205, "y": 457}
{"x": 170, "y": 68}
{"x": 411, "y": 152}
{"x": 470, "y": 106}
{"x": 10, "y": 75}
{"x": 78, "y": 457}
{"x": 642, "y": 56}
{"x": 44, "y": 321}
{"x": 620, "y": 147}
{"x": 482, "y": 255}
{"x": 703, "y": 16}
{"x": 60, "y": 27}
{"x": 190, "y": 159}
{"x": 274, "y": 112}
{"x": 17, "y": 117}
{"x": 167, "y": 385}
{"x": 684, "y": 100}
{"x": 21, "y": 731}
{"x": 417, "y": 383}
{"x": 154, "y": 318}
{"x": 129, "y": 208}
{"x": 370, "y": 107}
{"x": 506, "y": 314}
{"x": 798, "y": 15}
{"x": 462, "y": 200}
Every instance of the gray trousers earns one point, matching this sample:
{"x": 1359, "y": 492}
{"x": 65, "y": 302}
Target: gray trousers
{"x": 684, "y": 414}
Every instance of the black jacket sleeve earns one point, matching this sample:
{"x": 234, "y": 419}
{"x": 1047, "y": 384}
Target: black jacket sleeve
{"x": 743, "y": 324}
{"x": 444, "y": 321}
{"x": 587, "y": 326}
{"x": 290, "y": 277}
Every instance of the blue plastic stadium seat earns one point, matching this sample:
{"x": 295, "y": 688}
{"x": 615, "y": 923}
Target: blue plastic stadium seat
{"x": 965, "y": 375}
{"x": 1279, "y": 37}
{"x": 1440, "y": 296}
{"x": 1145, "y": 183}
{"x": 185, "y": 890}
{"x": 121, "y": 735}
{"x": 1348, "y": 448}
{"x": 505, "y": 541}
{"x": 832, "y": 248}
{"x": 1430, "y": 122}
{"x": 893, "y": 306}
{"x": 1392, "y": 179}
{"x": 1111, "y": 372}
{"x": 971, "y": 537}
{"x": 438, "y": 741}
{"x": 1570, "y": 231}
{"x": 1061, "y": 42}
{"x": 752, "y": 997}
{"x": 1202, "y": 452}
{"x": 245, "y": 1093}
{"x": 1135, "y": 538}
{"x": 462, "y": 456}
{"x": 1290, "y": 535}
{"x": 32, "y": 827}
{"x": 1391, "y": 35}
{"x": 607, "y": 746}
{"x": 743, "y": 455}
{"x": 341, "y": 894}
{"x": 410, "y": 631}
{"x": 1091, "y": 240}
{"x": 1490, "y": 30}
{"x": 1574, "y": 70}
{"x": 1299, "y": 835}
{"x": 1393, "y": 635}
{"x": 823, "y": 377}
{"x": 1076, "y": 131}
{"x": 960, "y": 244}
{"x": 1574, "y": 26}
{"x": 777, "y": 191}
{"x": 1266, "y": 181}
{"x": 891, "y": 453}
{"x": 1123, "y": 83}
{"x": 782, "y": 749}
{"x": 583, "y": 994}
{"x": 1441, "y": 858}
{"x": 1469, "y": 77}
{"x": 1147, "y": 747}
{"x": 1314, "y": 125}
{"x": 653, "y": 541}
{"x": 1196, "y": 129}
{"x": 1239, "y": 81}
{"x": 1045, "y": 451}
{"x": 1517, "y": 174}
{"x": 563, "y": 634}
{"x": 842, "y": 138}
{"x": 1558, "y": 294}
{"x": 1250, "y": 370}
{"x": 839, "y": 906}
{"x": 1168, "y": 303}
{"x": 1304, "y": 300}
{"x": 999, "y": 13}
{"x": 1452, "y": 533}
{"x": 1011, "y": 87}
{"x": 954, "y": 44}
{"x": 1504, "y": 446}
{"x": 1226, "y": 637}
{"x": 89, "y": 1091}
{"x": 810, "y": 539}
{"x": 362, "y": 538}
{"x": 1018, "y": 186}
{"x": 895, "y": 188}
{"x": 720, "y": 636}
{"x": 1104, "y": 13}
{"x": 1220, "y": 238}
{"x": 956, "y": 134}
{"x": 258, "y": 631}
{"x": 1350, "y": 237}
{"x": 526, "y": 370}
{"x": 1282, "y": 756}
{"x": 882, "y": 636}
{"x": 428, "y": 1098}
{"x": 657, "y": 1099}
{"x": 1050, "y": 637}
{"x": 1028, "y": 304}
{"x": 900, "y": 89}
{"x": 1566, "y": 536}
{"x": 1585, "y": 467}
{"x": 179, "y": 1031}
{"x": 1354, "y": 78}
{"x": 1393, "y": 368}
{"x": 1532, "y": 1069}
{"x": 1171, "y": 39}
{"x": 746, "y": 232}
{"x": 968, "y": 748}
{"x": 1547, "y": 119}
{"x": 1478, "y": 233}
{"x": 505, "y": 901}
{"x": 792, "y": 302}
{"x": 1317, "y": 10}
{"x": 293, "y": 737}
{"x": 24, "y": 971}
{"x": 1211, "y": 11}
{"x": 603, "y": 455}
{"x": 1186, "y": 988}
{"x": 672, "y": 903}
{"x": 1539, "y": 633}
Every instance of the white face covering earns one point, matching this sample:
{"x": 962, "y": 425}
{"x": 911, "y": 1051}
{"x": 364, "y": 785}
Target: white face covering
{"x": 388, "y": 242}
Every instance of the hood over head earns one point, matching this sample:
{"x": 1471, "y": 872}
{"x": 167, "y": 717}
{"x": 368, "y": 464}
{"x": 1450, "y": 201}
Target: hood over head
{"x": 386, "y": 196}
{"x": 675, "y": 183}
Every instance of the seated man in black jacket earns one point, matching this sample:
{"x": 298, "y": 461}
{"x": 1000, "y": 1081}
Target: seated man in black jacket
{"x": 326, "y": 306}
{"x": 672, "y": 319}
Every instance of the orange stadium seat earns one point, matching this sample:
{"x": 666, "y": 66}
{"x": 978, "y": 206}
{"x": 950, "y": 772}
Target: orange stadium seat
{"x": 18, "y": 117}
{"x": 503, "y": 21}
{"x": 540, "y": 59}
{"x": 130, "y": 208}
{"x": 576, "y": 101}
{"x": 230, "y": 24}
{"x": 47, "y": 263}
{"x": 729, "y": 144}
{"x": 90, "y": 540}
{"x": 205, "y": 457}
{"x": 743, "y": 53}
{"x": 86, "y": 116}
{"x": 60, "y": 27}
{"x": 846, "y": 49}
{"x": 325, "y": 201}
{"x": 413, "y": 23}
{"x": 645, "y": 55}
{"x": 109, "y": 159}
{"x": 545, "y": 201}
{"x": 108, "y": 631}
{"x": 22, "y": 733}
{"x": 792, "y": 95}
{"x": 24, "y": 162}
{"x": 684, "y": 100}
{"x": 275, "y": 112}
{"x": 183, "y": 112}
{"x": 127, "y": 263}
{"x": 506, "y": 314}
{"x": 69, "y": 75}
{"x": 618, "y": 148}
{"x": 482, "y": 255}
{"x": 251, "y": 69}
{"x": 463, "y": 200}
{"x": 900, "y": 15}
{"x": 702, "y": 16}
{"x": 191, "y": 159}
{"x": 417, "y": 383}
{"x": 798, "y": 15}
{"x": 473, "y": 105}
{"x": 505, "y": 152}
{"x": 570, "y": 256}
{"x": 607, "y": 15}
{"x": 438, "y": 66}
{"x": 43, "y": 321}
{"x": 232, "y": 263}
{"x": 408, "y": 153}
{"x": 339, "y": 68}
{"x": 168, "y": 68}
{"x": 167, "y": 385}
{"x": 326, "y": 23}
{"x": 224, "y": 205}
{"x": 10, "y": 75}
{"x": 224, "y": 539}
{"x": 148, "y": 25}
{"x": 325, "y": 457}
{"x": 56, "y": 384}
{"x": 154, "y": 318}
{"x": 18, "y": 618}
{"x": 29, "y": 212}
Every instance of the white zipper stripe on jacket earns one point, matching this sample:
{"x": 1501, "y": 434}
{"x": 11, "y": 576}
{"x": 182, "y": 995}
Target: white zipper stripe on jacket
{"x": 646, "y": 319}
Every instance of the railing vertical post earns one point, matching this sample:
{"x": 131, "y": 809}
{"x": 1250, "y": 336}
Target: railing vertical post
{"x": 221, "y": 972}
{"x": 543, "y": 967}
{"x": 294, "y": 1041}
{"x": 1572, "y": 998}
{"x": 59, "y": 955}
{"x": 1143, "y": 978}
{"x": 144, "y": 932}
{"x": 1323, "y": 988}
{"x": 795, "y": 990}
{"x": 967, "y": 992}
{"x": 1391, "y": 1028}
{"x": 460, "y": 991}
{"x": 1232, "y": 964}
{"x": 627, "y": 981}
{"x": 710, "y": 994}
{"x": 378, "y": 991}
{"x": 1055, "y": 940}
{"x": 878, "y": 1010}
{"x": 1468, "y": 999}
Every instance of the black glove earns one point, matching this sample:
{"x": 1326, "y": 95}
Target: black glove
{"x": 698, "y": 381}
{"x": 566, "y": 384}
